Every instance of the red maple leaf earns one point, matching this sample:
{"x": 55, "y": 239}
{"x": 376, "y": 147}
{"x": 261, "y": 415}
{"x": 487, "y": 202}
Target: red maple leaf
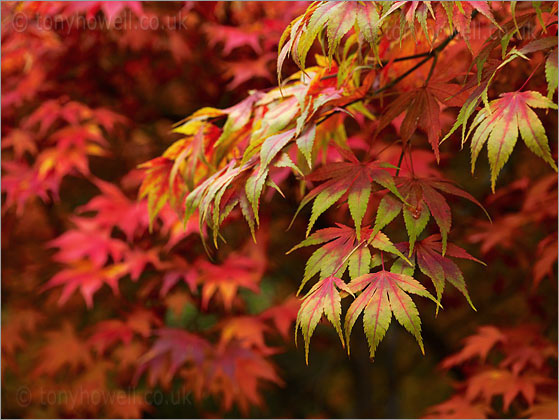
{"x": 172, "y": 348}
{"x": 51, "y": 359}
{"x": 89, "y": 242}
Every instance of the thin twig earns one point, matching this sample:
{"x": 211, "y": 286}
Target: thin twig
{"x": 433, "y": 53}
{"x": 401, "y": 158}
{"x": 433, "y": 64}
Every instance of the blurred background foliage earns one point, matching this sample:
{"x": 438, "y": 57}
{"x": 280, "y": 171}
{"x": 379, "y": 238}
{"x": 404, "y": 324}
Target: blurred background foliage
{"x": 149, "y": 79}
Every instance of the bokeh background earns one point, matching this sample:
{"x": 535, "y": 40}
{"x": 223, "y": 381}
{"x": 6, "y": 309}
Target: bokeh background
{"x": 83, "y": 106}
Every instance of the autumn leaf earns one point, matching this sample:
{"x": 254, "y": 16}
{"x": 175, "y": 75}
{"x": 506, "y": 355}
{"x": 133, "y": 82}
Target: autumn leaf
{"x": 234, "y": 37}
{"x": 499, "y": 127}
{"x": 237, "y": 375}
{"x": 324, "y": 297}
{"x": 172, "y": 348}
{"x": 477, "y": 345}
{"x": 76, "y": 352}
{"x": 247, "y": 331}
{"x": 382, "y": 294}
{"x": 439, "y": 268}
{"x": 355, "y": 179}
{"x": 113, "y": 209}
{"x": 457, "y": 407}
{"x": 226, "y": 278}
{"x": 87, "y": 277}
{"x": 336, "y": 19}
{"x": 242, "y": 71}
{"x": 551, "y": 74}
{"x": 422, "y": 107}
{"x": 17, "y": 324}
{"x": 493, "y": 382}
{"x": 87, "y": 241}
{"x": 342, "y": 250}
{"x": 423, "y": 199}
{"x": 157, "y": 187}
{"x": 283, "y": 315}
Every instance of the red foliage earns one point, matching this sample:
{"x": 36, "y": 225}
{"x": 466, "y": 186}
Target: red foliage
{"x": 99, "y": 188}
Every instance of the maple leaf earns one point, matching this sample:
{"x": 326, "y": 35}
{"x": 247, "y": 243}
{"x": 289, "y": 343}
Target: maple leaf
{"x": 540, "y": 199}
{"x": 176, "y": 229}
{"x": 283, "y": 315}
{"x": 343, "y": 250}
{"x": 214, "y": 205}
{"x": 87, "y": 277}
{"x": 477, "y": 345}
{"x": 15, "y": 324}
{"x": 128, "y": 406}
{"x": 242, "y": 183}
{"x": 492, "y": 382}
{"x": 136, "y": 260}
{"x": 73, "y": 144}
{"x": 92, "y": 380}
{"x": 110, "y": 332}
{"x": 439, "y": 268}
{"x": 89, "y": 242}
{"x": 142, "y": 321}
{"x": 234, "y": 37}
{"x": 422, "y": 108}
{"x": 21, "y": 141}
{"x": 337, "y": 19}
{"x": 499, "y": 126}
{"x": 128, "y": 356}
{"x": 382, "y": 294}
{"x": 236, "y": 271}
{"x": 237, "y": 374}
{"x": 241, "y": 71}
{"x": 547, "y": 258}
{"x": 158, "y": 187}
{"x": 161, "y": 184}
{"x": 526, "y": 349}
{"x": 422, "y": 199}
{"x": 409, "y": 13}
{"x": 51, "y": 359}
{"x": 21, "y": 183}
{"x": 322, "y": 298}
{"x": 178, "y": 269}
{"x": 355, "y": 179}
{"x": 458, "y": 407}
{"x": 172, "y": 348}
{"x": 114, "y": 209}
{"x": 247, "y": 331}
{"x": 459, "y": 15}
{"x": 503, "y": 232}
{"x": 57, "y": 110}
{"x": 551, "y": 74}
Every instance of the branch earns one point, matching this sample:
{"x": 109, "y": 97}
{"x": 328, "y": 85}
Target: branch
{"x": 431, "y": 54}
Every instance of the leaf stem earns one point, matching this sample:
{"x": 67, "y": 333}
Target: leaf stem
{"x": 401, "y": 158}
{"x": 529, "y": 77}
{"x": 348, "y": 256}
{"x": 433, "y": 64}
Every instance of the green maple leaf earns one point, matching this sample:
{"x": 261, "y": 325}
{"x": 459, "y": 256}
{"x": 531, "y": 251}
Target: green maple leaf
{"x": 500, "y": 125}
{"x": 353, "y": 178}
{"x": 342, "y": 250}
{"x": 323, "y": 298}
{"x": 382, "y": 294}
